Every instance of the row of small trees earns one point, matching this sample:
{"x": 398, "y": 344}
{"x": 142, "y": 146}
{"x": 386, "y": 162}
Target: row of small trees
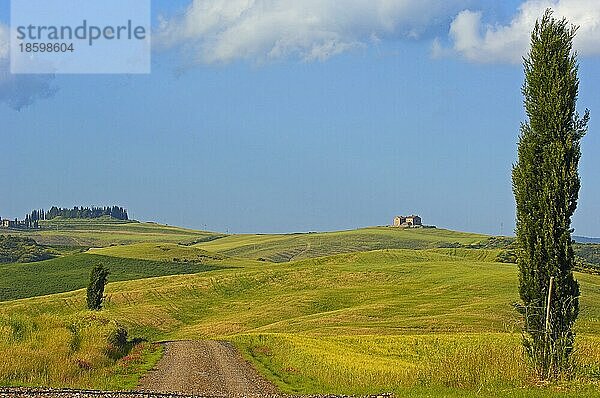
{"x": 116, "y": 212}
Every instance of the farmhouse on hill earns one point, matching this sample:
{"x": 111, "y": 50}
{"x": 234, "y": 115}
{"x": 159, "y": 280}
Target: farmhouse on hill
{"x": 18, "y": 224}
{"x": 407, "y": 221}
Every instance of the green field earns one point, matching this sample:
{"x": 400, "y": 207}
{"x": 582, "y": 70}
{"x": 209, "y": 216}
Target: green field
{"x": 375, "y": 310}
{"x": 71, "y": 273}
{"x": 281, "y": 248}
{"x": 103, "y": 232}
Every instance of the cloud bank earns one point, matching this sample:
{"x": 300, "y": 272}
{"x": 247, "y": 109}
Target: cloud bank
{"x": 492, "y": 43}
{"x": 222, "y": 31}
{"x": 19, "y": 91}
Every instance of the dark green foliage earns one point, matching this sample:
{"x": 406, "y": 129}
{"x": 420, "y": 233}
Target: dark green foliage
{"x": 115, "y": 212}
{"x": 493, "y": 242}
{"x": 589, "y": 256}
{"x": 14, "y": 249}
{"x": 118, "y": 345}
{"x": 95, "y": 290}
{"x": 546, "y": 187}
{"x": 118, "y": 337}
{"x": 507, "y": 256}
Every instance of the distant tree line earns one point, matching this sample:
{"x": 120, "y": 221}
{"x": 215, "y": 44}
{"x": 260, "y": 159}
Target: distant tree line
{"x": 116, "y": 212}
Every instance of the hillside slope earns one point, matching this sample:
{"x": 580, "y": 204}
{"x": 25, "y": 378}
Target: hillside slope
{"x": 72, "y": 272}
{"x": 103, "y": 232}
{"x": 434, "y": 317}
{"x": 368, "y": 292}
{"x": 289, "y": 247}
{"x": 353, "y": 323}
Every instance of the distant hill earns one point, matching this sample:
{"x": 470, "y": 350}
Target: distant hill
{"x": 290, "y": 247}
{"x": 584, "y": 239}
{"x": 21, "y": 250}
{"x": 106, "y": 231}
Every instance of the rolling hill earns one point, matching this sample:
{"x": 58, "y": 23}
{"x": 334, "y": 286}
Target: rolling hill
{"x": 416, "y": 312}
{"x": 282, "y": 248}
{"x": 101, "y": 232}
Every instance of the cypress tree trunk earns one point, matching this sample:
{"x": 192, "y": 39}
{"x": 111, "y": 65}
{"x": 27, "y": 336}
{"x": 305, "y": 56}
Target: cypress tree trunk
{"x": 546, "y": 188}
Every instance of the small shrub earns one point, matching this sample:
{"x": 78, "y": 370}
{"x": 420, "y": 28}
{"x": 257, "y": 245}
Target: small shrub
{"x": 118, "y": 337}
{"x": 507, "y": 256}
{"x": 118, "y": 346}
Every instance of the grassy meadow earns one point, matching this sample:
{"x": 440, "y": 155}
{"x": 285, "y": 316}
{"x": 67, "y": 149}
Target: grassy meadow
{"x": 68, "y": 273}
{"x": 282, "y": 248}
{"x": 415, "y": 312}
{"x": 104, "y": 231}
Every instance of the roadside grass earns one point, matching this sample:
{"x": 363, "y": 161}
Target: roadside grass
{"x": 282, "y": 248}
{"x": 71, "y": 351}
{"x": 491, "y": 364}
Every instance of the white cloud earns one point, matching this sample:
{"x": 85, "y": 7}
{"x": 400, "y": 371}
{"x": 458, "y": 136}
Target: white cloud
{"x": 19, "y": 91}
{"x": 220, "y": 31}
{"x": 479, "y": 42}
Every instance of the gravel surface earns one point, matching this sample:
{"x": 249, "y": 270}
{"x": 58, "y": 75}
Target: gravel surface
{"x": 68, "y": 393}
{"x": 205, "y": 368}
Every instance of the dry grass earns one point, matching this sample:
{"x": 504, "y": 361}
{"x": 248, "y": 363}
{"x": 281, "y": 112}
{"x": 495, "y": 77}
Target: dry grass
{"x": 68, "y": 352}
{"x": 375, "y": 364}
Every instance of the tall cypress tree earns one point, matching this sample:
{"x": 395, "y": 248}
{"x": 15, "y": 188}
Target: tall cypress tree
{"x": 95, "y": 289}
{"x": 546, "y": 188}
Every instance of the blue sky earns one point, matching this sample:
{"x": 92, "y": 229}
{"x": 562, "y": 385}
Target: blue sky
{"x": 374, "y": 116}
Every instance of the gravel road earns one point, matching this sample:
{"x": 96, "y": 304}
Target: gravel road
{"x": 68, "y": 393}
{"x": 205, "y": 368}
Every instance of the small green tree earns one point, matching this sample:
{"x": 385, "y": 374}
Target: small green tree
{"x": 95, "y": 289}
{"x": 546, "y": 187}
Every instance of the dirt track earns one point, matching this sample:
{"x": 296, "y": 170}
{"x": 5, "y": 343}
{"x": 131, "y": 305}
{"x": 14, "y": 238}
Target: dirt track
{"x": 206, "y": 368}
